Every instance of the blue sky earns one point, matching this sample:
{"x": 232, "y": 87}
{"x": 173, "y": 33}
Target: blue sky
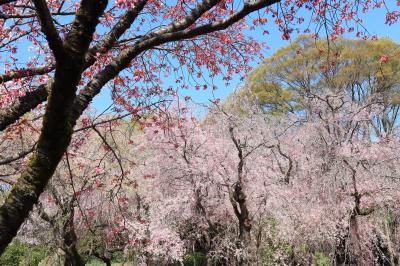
{"x": 374, "y": 22}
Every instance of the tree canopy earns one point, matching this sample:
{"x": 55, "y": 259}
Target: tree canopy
{"x": 59, "y": 55}
{"x": 306, "y": 67}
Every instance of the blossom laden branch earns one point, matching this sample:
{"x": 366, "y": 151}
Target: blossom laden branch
{"x": 24, "y": 73}
{"x": 22, "y": 106}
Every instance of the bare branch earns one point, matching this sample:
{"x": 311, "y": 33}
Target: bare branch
{"x": 32, "y": 15}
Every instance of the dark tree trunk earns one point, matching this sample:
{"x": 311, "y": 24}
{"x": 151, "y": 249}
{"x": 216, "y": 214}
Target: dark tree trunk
{"x": 72, "y": 256}
{"x": 242, "y": 213}
{"x": 57, "y": 126}
{"x": 106, "y": 260}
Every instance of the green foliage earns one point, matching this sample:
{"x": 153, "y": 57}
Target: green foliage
{"x": 14, "y": 254}
{"x": 21, "y": 254}
{"x": 275, "y": 251}
{"x": 320, "y": 259}
{"x": 92, "y": 244}
{"x": 195, "y": 259}
{"x": 118, "y": 257}
{"x": 274, "y": 254}
{"x": 305, "y": 67}
{"x": 95, "y": 262}
{"x": 35, "y": 255}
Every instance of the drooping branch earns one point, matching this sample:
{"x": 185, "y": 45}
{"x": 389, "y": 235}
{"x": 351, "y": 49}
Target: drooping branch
{"x": 104, "y": 140}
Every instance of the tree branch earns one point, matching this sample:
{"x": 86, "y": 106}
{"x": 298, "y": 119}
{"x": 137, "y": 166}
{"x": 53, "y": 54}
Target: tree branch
{"x": 32, "y": 15}
{"x": 123, "y": 24}
{"x": 154, "y": 39}
{"x": 18, "y": 109}
{"x": 21, "y": 106}
{"x": 48, "y": 28}
{"x": 24, "y": 73}
{"x": 189, "y": 19}
{"x": 87, "y": 16}
{"x": 17, "y": 157}
{"x": 218, "y": 25}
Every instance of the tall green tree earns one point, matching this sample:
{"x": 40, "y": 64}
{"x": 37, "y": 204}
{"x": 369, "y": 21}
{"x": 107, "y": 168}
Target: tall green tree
{"x": 308, "y": 68}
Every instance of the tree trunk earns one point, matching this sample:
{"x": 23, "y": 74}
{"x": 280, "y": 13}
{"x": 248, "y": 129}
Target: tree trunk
{"x": 72, "y": 256}
{"x": 106, "y": 260}
{"x": 57, "y": 125}
{"x": 242, "y": 213}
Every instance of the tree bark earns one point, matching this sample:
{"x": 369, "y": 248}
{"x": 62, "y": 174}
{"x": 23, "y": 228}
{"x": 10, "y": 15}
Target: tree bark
{"x": 72, "y": 256}
{"x": 22, "y": 106}
{"x": 242, "y": 213}
{"x": 104, "y": 258}
{"x": 237, "y": 195}
{"x": 57, "y": 126}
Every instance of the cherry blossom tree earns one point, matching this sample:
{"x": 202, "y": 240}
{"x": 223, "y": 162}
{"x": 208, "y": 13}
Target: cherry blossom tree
{"x": 316, "y": 184}
{"x": 79, "y": 47}
{"x": 308, "y": 185}
{"x": 86, "y": 200}
{"x": 76, "y": 62}
{"x": 321, "y": 183}
{"x": 208, "y": 190}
